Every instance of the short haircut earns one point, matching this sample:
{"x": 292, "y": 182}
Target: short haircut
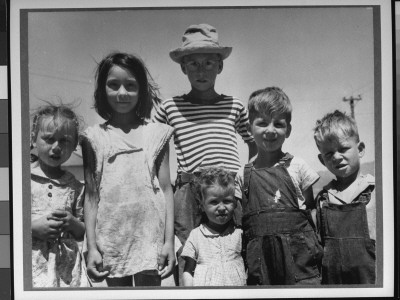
{"x": 213, "y": 176}
{"x": 269, "y": 101}
{"x": 334, "y": 124}
{"x": 133, "y": 64}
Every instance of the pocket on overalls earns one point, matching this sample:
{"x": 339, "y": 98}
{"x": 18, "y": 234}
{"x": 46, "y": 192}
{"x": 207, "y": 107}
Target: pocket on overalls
{"x": 358, "y": 258}
{"x": 306, "y": 255}
{"x": 253, "y": 259}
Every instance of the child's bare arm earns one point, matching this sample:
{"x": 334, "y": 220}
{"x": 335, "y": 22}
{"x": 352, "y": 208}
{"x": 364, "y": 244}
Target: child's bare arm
{"x": 188, "y": 271}
{"x": 94, "y": 258}
{"x": 167, "y": 258}
{"x": 309, "y": 198}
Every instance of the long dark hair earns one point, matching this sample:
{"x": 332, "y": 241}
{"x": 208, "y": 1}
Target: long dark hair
{"x": 147, "y": 88}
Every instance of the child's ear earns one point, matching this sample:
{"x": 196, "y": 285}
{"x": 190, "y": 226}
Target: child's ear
{"x": 288, "y": 130}
{"x": 320, "y": 159}
{"x": 183, "y": 68}
{"x": 220, "y": 66}
{"x": 361, "y": 149}
{"x": 33, "y": 141}
{"x": 248, "y": 127}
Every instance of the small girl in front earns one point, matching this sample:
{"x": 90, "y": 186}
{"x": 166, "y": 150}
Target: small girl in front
{"x": 56, "y": 200}
{"x": 129, "y": 202}
{"x": 212, "y": 251}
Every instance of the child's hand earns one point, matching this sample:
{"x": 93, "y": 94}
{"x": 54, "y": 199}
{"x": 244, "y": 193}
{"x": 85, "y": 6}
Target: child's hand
{"x": 46, "y": 227}
{"x": 66, "y": 217}
{"x": 166, "y": 261}
{"x": 69, "y": 223}
{"x": 95, "y": 266}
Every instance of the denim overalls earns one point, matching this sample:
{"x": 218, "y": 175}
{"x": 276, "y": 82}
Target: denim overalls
{"x": 280, "y": 242}
{"x": 349, "y": 253}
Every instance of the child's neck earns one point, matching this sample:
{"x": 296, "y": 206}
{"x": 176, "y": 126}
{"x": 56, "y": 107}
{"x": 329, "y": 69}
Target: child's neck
{"x": 125, "y": 122}
{"x": 220, "y": 228}
{"x": 203, "y": 97}
{"x": 51, "y": 172}
{"x": 268, "y": 159}
{"x": 342, "y": 183}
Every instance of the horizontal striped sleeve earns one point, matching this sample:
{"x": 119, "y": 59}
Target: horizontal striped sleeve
{"x": 241, "y": 123}
{"x": 160, "y": 115}
{"x": 205, "y": 135}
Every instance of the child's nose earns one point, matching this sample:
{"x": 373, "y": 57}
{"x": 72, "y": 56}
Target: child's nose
{"x": 336, "y": 157}
{"x": 56, "y": 148}
{"x": 122, "y": 92}
{"x": 270, "y": 128}
{"x": 221, "y": 207}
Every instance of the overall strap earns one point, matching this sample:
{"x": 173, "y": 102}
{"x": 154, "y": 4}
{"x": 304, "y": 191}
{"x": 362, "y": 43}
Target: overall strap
{"x": 246, "y": 179}
{"x": 322, "y": 196}
{"x": 365, "y": 196}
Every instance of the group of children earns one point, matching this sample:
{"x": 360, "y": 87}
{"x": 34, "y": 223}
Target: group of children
{"x": 220, "y": 224}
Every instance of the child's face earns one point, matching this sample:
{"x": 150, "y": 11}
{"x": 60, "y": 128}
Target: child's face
{"x": 270, "y": 132}
{"x": 202, "y": 70}
{"x": 55, "y": 143}
{"x": 342, "y": 155}
{"x": 218, "y": 204}
{"x": 122, "y": 90}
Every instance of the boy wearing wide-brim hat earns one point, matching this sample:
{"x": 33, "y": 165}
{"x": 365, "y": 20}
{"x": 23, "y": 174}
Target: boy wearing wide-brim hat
{"x": 205, "y": 122}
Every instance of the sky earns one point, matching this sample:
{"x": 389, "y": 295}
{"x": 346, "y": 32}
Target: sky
{"x": 317, "y": 55}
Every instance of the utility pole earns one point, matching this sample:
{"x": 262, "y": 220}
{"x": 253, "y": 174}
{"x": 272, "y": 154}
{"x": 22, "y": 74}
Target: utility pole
{"x": 351, "y": 100}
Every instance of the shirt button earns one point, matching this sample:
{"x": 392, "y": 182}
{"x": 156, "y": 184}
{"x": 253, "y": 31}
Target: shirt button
{"x": 49, "y": 194}
{"x": 50, "y": 186}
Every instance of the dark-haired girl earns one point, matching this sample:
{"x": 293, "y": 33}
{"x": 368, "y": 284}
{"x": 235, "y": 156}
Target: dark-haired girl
{"x": 129, "y": 201}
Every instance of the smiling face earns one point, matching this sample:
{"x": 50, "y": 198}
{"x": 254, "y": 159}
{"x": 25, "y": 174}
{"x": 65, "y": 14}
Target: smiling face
{"x": 270, "y": 132}
{"x": 55, "y": 141}
{"x": 202, "y": 70}
{"x": 218, "y": 203}
{"x": 341, "y": 156}
{"x": 122, "y": 90}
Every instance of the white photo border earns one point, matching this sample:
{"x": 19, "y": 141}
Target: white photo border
{"x": 20, "y": 115}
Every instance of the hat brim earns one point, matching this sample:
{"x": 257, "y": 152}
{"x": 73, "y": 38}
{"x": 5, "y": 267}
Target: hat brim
{"x": 177, "y": 54}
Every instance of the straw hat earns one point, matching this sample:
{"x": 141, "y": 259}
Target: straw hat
{"x": 201, "y": 38}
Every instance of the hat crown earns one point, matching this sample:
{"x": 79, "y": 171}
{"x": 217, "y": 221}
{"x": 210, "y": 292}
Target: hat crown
{"x": 202, "y": 33}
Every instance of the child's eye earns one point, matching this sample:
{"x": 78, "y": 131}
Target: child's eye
{"x": 113, "y": 85}
{"x": 131, "y": 86}
{"x": 280, "y": 124}
{"x": 228, "y": 202}
{"x": 192, "y": 65}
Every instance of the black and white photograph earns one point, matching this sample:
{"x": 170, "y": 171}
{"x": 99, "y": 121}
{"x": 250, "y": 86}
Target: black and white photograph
{"x": 239, "y": 149}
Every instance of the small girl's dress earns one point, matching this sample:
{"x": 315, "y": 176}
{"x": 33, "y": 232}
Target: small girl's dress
{"x": 130, "y": 226}
{"x": 218, "y": 257}
{"x": 56, "y": 263}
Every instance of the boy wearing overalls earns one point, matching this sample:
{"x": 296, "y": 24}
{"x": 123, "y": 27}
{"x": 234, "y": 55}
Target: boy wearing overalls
{"x": 346, "y": 206}
{"x": 280, "y": 242}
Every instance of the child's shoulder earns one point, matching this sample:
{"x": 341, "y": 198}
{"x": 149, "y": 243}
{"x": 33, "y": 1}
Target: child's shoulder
{"x": 67, "y": 179}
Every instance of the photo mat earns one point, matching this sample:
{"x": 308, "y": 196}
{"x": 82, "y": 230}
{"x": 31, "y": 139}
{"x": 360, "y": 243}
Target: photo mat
{"x": 57, "y": 48}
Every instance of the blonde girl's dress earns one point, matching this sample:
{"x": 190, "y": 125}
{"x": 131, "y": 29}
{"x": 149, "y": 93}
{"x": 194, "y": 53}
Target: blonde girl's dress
{"x": 56, "y": 263}
{"x": 218, "y": 257}
{"x": 130, "y": 224}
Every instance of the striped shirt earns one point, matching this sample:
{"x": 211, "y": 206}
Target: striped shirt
{"x": 205, "y": 134}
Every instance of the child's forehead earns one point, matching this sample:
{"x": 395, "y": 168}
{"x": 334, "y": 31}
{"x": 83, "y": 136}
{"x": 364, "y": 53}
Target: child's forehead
{"x": 269, "y": 116}
{"x": 52, "y": 124}
{"x": 200, "y": 56}
{"x": 337, "y": 138}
